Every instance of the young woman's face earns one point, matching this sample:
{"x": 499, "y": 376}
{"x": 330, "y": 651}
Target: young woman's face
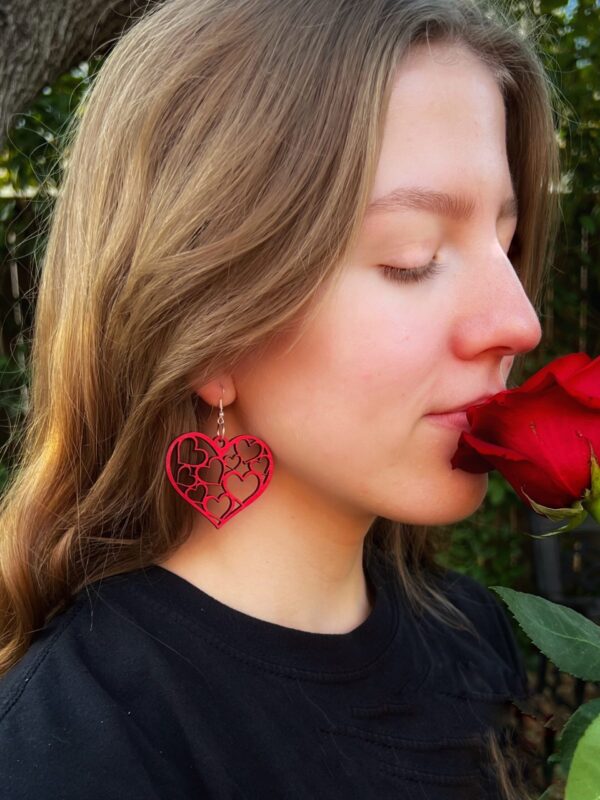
{"x": 345, "y": 410}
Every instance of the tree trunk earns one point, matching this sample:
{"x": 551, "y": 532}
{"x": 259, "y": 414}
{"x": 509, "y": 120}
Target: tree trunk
{"x": 41, "y": 39}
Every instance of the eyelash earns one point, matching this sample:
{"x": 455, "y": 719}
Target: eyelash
{"x": 412, "y": 275}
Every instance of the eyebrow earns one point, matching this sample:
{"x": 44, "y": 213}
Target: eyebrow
{"x": 459, "y": 207}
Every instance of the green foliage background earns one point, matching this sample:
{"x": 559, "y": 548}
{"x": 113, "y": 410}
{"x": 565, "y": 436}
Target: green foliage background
{"x": 492, "y": 545}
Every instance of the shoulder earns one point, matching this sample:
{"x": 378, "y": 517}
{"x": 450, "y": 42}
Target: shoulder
{"x": 481, "y": 605}
{"x": 72, "y": 640}
{"x": 491, "y": 622}
{"x": 65, "y": 691}
{"x": 99, "y": 639}
{"x": 466, "y": 589}
{"x": 52, "y": 643}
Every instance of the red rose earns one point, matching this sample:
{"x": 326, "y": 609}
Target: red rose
{"x": 542, "y": 435}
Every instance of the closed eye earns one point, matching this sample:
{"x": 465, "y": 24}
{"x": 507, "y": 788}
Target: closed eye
{"x": 416, "y": 275}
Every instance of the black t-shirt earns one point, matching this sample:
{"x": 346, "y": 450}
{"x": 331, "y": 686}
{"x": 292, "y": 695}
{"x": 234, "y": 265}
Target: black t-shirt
{"x": 146, "y": 687}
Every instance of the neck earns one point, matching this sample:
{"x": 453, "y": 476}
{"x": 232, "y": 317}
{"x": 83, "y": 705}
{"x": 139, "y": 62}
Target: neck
{"x": 291, "y": 558}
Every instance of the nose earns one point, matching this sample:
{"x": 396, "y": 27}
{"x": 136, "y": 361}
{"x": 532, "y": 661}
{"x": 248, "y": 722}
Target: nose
{"x": 495, "y": 313}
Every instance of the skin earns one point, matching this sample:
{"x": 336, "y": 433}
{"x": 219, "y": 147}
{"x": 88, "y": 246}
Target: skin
{"x": 343, "y": 409}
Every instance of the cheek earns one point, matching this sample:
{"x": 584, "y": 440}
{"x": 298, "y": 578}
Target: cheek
{"x": 357, "y": 371}
{"x": 381, "y": 347}
{"x": 371, "y": 350}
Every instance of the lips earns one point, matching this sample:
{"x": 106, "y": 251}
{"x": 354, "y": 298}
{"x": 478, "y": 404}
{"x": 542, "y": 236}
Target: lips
{"x": 464, "y": 407}
{"x": 456, "y": 419}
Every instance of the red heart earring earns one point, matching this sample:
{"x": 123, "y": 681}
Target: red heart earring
{"x": 216, "y": 476}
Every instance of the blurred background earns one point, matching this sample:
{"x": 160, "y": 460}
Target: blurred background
{"x": 48, "y": 56}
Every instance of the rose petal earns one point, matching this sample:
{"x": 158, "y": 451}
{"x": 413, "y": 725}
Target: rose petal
{"x": 557, "y": 371}
{"x": 553, "y": 433}
{"x": 540, "y": 486}
{"x": 585, "y": 385}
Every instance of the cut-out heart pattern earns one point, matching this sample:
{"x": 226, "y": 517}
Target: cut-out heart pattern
{"x": 216, "y": 476}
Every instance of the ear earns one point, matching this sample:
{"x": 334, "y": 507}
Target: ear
{"x": 220, "y": 387}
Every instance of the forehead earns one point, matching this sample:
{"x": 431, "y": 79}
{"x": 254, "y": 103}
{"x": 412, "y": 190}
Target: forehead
{"x": 445, "y": 123}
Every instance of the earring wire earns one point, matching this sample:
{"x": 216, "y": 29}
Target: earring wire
{"x": 221, "y": 419}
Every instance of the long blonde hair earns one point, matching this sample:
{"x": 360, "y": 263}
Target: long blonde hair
{"x": 218, "y": 172}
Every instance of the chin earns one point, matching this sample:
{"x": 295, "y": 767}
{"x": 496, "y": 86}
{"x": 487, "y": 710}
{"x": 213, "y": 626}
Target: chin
{"x": 444, "y": 505}
{"x": 463, "y": 503}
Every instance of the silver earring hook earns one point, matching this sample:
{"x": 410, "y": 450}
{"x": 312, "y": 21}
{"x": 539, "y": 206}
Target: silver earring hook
{"x": 221, "y": 420}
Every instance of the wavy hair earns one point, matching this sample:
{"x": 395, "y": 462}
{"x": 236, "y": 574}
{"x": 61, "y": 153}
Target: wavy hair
{"x": 218, "y": 171}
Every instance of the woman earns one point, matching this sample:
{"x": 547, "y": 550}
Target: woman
{"x": 329, "y": 219}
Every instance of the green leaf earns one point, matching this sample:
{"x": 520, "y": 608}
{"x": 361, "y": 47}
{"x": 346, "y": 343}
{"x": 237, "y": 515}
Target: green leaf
{"x": 583, "y": 781}
{"x": 576, "y": 514}
{"x": 573, "y": 730}
{"x": 567, "y": 638}
{"x": 575, "y": 522}
{"x": 592, "y": 501}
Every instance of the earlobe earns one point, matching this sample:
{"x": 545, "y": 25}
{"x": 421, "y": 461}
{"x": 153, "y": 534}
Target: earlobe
{"x": 221, "y": 387}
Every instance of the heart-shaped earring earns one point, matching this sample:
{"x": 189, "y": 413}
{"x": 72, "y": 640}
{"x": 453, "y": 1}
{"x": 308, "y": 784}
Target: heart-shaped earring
{"x": 216, "y": 476}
